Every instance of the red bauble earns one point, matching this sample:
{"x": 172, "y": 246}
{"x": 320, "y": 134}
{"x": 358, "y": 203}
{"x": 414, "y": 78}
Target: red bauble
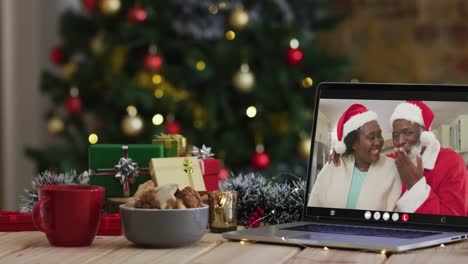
{"x": 137, "y": 14}
{"x": 260, "y": 160}
{"x": 73, "y": 105}
{"x": 172, "y": 127}
{"x": 89, "y": 5}
{"x": 294, "y": 56}
{"x": 152, "y": 62}
{"x": 56, "y": 56}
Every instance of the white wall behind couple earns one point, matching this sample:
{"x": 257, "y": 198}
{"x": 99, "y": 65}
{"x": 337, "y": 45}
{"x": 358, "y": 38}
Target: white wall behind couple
{"x": 28, "y": 31}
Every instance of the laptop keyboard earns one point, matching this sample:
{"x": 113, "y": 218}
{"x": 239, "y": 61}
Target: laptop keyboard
{"x": 362, "y": 231}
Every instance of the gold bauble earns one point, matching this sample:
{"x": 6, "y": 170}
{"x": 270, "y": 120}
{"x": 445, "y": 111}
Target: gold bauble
{"x": 303, "y": 147}
{"x": 180, "y": 95}
{"x": 307, "y": 82}
{"x": 143, "y": 79}
{"x": 230, "y": 35}
{"x": 200, "y": 117}
{"x": 243, "y": 81}
{"x": 280, "y": 123}
{"x": 109, "y": 7}
{"x": 69, "y": 69}
{"x": 97, "y": 44}
{"x": 55, "y": 125}
{"x": 308, "y": 115}
{"x": 199, "y": 124}
{"x": 199, "y": 112}
{"x": 132, "y": 125}
{"x": 118, "y": 58}
{"x": 239, "y": 18}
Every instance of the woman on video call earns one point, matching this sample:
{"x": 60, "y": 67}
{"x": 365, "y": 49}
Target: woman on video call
{"x": 365, "y": 179}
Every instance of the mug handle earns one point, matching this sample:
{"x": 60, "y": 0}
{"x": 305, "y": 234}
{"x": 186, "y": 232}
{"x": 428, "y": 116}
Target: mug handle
{"x": 37, "y": 219}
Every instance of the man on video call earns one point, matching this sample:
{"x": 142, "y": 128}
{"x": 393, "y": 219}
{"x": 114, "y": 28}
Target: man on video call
{"x": 435, "y": 179}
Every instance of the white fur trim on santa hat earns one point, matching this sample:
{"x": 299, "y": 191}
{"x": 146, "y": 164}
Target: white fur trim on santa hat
{"x": 358, "y": 121}
{"x": 407, "y": 111}
{"x": 340, "y": 147}
{"x": 352, "y": 124}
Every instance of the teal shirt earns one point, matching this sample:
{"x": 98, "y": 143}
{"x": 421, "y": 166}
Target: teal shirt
{"x": 355, "y": 188}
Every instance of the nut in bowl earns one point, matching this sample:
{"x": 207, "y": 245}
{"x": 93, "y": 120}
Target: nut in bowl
{"x": 164, "y": 219}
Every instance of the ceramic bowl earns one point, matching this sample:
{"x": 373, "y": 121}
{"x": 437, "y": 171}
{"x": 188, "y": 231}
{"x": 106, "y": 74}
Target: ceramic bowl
{"x": 165, "y": 227}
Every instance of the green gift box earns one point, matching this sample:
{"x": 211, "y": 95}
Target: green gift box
{"x": 103, "y": 159}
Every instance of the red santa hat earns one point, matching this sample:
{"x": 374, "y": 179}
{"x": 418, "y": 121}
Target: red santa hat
{"x": 353, "y": 118}
{"x": 417, "y": 112}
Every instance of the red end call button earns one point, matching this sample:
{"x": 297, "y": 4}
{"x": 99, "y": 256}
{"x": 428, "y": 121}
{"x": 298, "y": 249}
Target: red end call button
{"x": 405, "y": 217}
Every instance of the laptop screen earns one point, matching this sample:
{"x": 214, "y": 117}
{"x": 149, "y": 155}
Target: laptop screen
{"x": 390, "y": 153}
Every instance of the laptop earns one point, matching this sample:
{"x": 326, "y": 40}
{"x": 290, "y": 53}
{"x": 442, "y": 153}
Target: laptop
{"x": 389, "y": 230}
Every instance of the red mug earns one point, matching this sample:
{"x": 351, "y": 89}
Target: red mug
{"x": 69, "y": 214}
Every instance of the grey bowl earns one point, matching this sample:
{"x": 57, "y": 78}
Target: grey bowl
{"x": 163, "y": 228}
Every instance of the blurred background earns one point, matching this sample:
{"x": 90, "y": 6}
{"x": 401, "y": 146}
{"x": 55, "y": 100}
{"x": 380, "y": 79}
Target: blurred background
{"x": 233, "y": 75}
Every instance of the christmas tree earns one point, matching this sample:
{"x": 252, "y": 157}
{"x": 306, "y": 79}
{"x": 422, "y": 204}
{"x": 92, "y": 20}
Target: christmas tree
{"x": 237, "y": 76}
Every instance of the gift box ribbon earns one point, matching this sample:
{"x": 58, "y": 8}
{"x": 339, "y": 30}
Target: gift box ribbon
{"x": 202, "y": 153}
{"x": 125, "y": 171}
{"x": 188, "y": 170}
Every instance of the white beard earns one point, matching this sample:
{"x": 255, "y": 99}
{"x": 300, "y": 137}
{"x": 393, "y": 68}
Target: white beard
{"x": 414, "y": 151}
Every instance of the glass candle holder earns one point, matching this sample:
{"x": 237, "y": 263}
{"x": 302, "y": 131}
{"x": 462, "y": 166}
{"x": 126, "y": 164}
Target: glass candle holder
{"x": 223, "y": 211}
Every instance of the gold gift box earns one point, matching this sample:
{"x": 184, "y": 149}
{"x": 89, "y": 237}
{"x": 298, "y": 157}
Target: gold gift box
{"x": 174, "y": 145}
{"x": 184, "y": 171}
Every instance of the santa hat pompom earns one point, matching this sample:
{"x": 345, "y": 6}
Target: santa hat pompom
{"x": 427, "y": 138}
{"x": 340, "y": 147}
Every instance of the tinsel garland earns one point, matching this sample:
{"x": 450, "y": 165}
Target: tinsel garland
{"x": 203, "y": 27}
{"x": 281, "y": 202}
{"x": 29, "y": 198}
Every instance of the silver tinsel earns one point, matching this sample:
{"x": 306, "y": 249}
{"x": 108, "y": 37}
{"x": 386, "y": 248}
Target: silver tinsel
{"x": 284, "y": 202}
{"x": 30, "y": 197}
{"x": 281, "y": 202}
{"x": 202, "y": 25}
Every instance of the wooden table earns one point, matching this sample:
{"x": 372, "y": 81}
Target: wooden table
{"x": 33, "y": 247}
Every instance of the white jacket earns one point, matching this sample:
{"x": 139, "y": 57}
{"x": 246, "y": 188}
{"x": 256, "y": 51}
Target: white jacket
{"x": 380, "y": 190}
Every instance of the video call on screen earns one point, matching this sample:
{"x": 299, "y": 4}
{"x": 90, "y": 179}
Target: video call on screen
{"x": 450, "y": 128}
